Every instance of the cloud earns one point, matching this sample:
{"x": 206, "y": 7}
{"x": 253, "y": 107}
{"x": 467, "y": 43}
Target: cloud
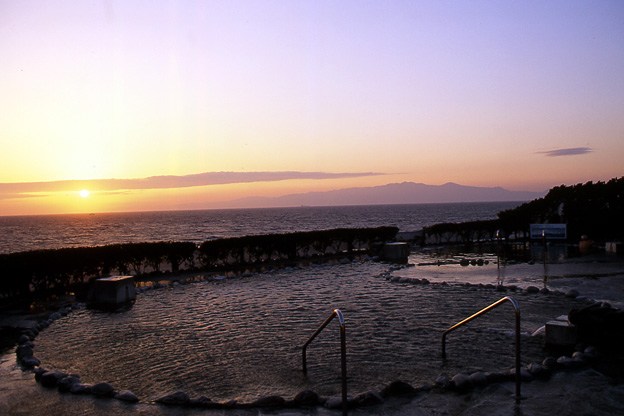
{"x": 571, "y": 151}
{"x": 23, "y": 189}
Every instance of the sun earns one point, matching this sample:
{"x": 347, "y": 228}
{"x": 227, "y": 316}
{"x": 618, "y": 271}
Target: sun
{"x": 84, "y": 193}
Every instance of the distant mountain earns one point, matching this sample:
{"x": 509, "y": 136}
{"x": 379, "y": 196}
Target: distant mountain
{"x": 394, "y": 193}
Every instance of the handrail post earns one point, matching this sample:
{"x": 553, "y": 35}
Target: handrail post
{"x": 516, "y": 307}
{"x": 336, "y": 313}
{"x": 343, "y": 359}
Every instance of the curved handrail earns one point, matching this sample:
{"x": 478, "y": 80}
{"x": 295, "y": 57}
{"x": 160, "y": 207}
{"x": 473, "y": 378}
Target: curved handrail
{"x": 516, "y": 307}
{"x": 336, "y": 313}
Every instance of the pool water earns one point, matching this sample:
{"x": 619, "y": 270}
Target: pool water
{"x": 240, "y": 338}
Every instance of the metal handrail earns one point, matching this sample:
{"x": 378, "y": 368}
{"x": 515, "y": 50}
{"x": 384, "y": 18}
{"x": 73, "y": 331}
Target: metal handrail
{"x": 336, "y": 313}
{"x": 516, "y": 307}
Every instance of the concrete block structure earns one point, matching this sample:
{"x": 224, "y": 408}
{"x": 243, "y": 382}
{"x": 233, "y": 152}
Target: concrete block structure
{"x": 112, "y": 292}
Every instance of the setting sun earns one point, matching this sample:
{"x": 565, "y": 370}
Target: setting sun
{"x": 84, "y": 193}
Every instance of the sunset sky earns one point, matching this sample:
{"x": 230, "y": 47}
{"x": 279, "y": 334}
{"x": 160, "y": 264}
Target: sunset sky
{"x": 148, "y": 105}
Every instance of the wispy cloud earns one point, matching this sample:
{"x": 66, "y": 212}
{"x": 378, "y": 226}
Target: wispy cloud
{"x": 23, "y": 189}
{"x": 571, "y": 151}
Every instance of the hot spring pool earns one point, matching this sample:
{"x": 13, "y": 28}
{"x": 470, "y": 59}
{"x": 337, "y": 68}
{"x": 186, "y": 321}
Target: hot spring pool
{"x": 240, "y": 338}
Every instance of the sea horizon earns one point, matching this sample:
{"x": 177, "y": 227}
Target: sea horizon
{"x": 51, "y": 231}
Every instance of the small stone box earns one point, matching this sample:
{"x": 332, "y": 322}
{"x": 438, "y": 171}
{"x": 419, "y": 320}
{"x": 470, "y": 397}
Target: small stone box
{"x": 112, "y": 292}
{"x": 396, "y": 252}
{"x": 560, "y": 332}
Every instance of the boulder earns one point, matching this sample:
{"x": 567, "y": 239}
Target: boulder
{"x": 54, "y": 316}
{"x": 80, "y": 388}
{"x": 38, "y": 372}
{"x": 599, "y": 324}
{"x": 572, "y": 293}
{"x": 204, "y": 403}
{"x": 23, "y": 351}
{"x": 179, "y": 398}
{"x": 461, "y": 381}
{"x": 538, "y": 371}
{"x": 51, "y": 378}
{"x": 443, "y": 381}
{"x": 269, "y": 401}
{"x": 478, "y": 378}
{"x": 30, "y": 362}
{"x": 369, "y": 398}
{"x": 307, "y": 398}
{"x": 398, "y": 388}
{"x": 23, "y": 339}
{"x": 126, "y": 396}
{"x": 64, "y": 384}
{"x": 103, "y": 390}
{"x": 550, "y": 363}
{"x": 334, "y": 402}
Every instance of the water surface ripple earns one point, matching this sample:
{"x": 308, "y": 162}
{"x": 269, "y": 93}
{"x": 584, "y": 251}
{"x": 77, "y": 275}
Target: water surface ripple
{"x": 241, "y": 338}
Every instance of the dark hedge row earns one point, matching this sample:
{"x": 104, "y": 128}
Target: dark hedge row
{"x": 70, "y": 269}
{"x": 465, "y": 231}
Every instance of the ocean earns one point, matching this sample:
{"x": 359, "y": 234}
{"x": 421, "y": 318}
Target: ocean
{"x": 24, "y": 233}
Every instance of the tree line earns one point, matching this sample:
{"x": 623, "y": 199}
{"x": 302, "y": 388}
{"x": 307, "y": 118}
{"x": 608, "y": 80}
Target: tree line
{"x": 594, "y": 209}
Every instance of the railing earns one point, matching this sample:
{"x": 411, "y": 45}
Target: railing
{"x": 343, "y": 352}
{"x": 516, "y": 307}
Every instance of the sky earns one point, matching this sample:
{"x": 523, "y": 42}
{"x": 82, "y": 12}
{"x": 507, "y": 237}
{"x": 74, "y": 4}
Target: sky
{"x": 148, "y": 105}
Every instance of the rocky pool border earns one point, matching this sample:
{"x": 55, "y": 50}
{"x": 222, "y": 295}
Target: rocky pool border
{"x": 458, "y": 383}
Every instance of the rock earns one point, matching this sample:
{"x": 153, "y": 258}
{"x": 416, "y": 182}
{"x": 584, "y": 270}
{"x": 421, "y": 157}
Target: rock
{"x": 478, "y": 378}
{"x": 54, "y": 316}
{"x": 38, "y": 372}
{"x": 565, "y": 362}
{"x": 307, "y": 398}
{"x": 126, "y": 396}
{"x": 572, "y": 293}
{"x": 590, "y": 352}
{"x": 443, "y": 381}
{"x": 103, "y": 390}
{"x": 23, "y": 339}
{"x": 179, "y": 398}
{"x": 204, "y": 403}
{"x": 230, "y": 404}
{"x": 269, "y": 401}
{"x": 499, "y": 377}
{"x": 538, "y": 371}
{"x": 23, "y": 351}
{"x": 334, "y": 402}
{"x": 461, "y": 381}
{"x": 549, "y": 363}
{"x": 398, "y": 388}
{"x": 51, "y": 378}
{"x": 532, "y": 289}
{"x": 30, "y": 362}
{"x": 64, "y": 385}
{"x": 599, "y": 324}
{"x": 80, "y": 388}
{"x": 525, "y": 375}
{"x": 369, "y": 398}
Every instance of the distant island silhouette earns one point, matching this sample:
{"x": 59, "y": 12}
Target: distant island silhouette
{"x": 394, "y": 193}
